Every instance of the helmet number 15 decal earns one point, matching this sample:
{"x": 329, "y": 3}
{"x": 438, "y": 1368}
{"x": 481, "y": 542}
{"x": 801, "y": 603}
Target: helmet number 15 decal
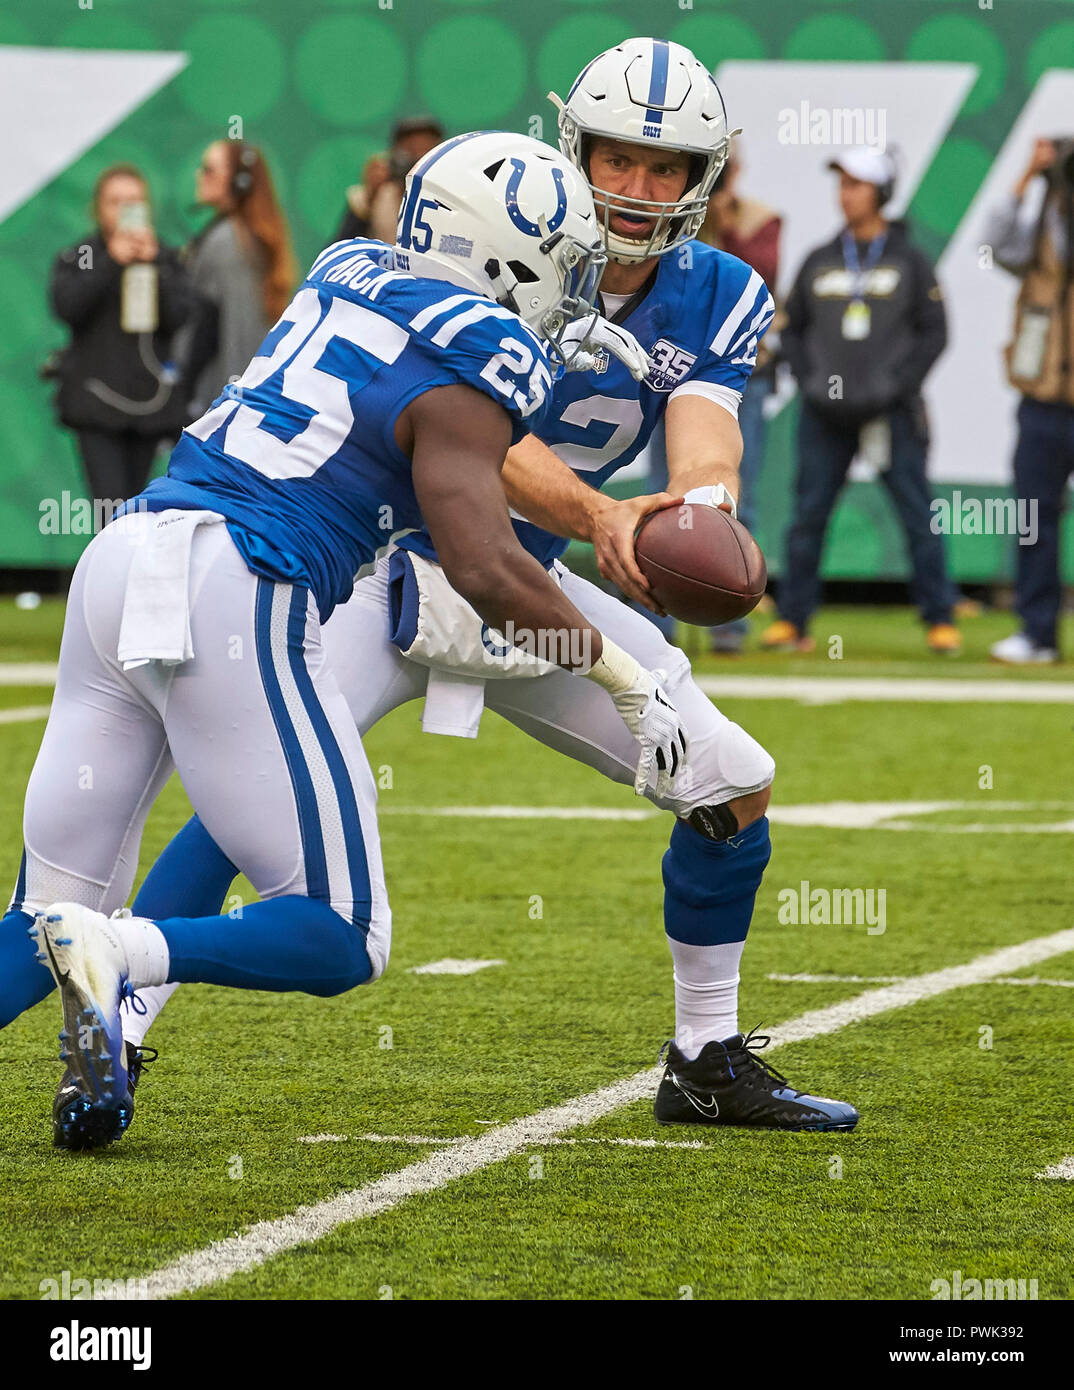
{"x": 421, "y": 237}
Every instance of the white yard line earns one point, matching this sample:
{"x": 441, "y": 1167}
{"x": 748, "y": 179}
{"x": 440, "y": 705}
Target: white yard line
{"x": 1063, "y": 1170}
{"x": 24, "y": 714}
{"x": 450, "y": 966}
{"x": 834, "y": 690}
{"x": 1058, "y": 827}
{"x": 522, "y": 812}
{"x": 263, "y": 1241}
{"x": 897, "y": 979}
{"x": 28, "y": 673}
{"x": 428, "y": 1140}
{"x": 828, "y": 815}
{"x": 810, "y": 690}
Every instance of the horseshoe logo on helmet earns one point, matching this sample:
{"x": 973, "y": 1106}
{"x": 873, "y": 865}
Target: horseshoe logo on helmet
{"x": 516, "y": 214}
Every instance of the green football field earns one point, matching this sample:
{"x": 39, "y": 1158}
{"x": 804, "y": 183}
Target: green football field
{"x": 490, "y": 1135}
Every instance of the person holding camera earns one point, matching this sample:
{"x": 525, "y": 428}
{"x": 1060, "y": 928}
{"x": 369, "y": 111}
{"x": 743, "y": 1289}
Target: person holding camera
{"x": 864, "y": 325}
{"x": 1032, "y": 235}
{"x": 373, "y": 205}
{"x": 123, "y": 295}
{"x": 242, "y": 267}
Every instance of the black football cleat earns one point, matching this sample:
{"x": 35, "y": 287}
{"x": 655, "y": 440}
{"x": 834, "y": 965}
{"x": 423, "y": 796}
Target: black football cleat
{"x": 79, "y": 1124}
{"x": 728, "y": 1084}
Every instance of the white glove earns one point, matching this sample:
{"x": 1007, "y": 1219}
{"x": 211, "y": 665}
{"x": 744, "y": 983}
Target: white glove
{"x": 598, "y": 338}
{"x": 647, "y": 712}
{"x": 715, "y": 496}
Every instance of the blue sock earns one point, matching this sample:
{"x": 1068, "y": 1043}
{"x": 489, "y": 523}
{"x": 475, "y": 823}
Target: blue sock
{"x": 190, "y": 879}
{"x": 710, "y": 886}
{"x": 288, "y": 943}
{"x": 24, "y": 981}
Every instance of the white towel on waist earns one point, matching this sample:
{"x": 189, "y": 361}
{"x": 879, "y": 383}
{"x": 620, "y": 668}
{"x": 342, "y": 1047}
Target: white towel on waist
{"x": 156, "y": 605}
{"x": 453, "y": 704}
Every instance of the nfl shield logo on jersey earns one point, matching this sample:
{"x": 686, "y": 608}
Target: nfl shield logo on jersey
{"x": 671, "y": 365}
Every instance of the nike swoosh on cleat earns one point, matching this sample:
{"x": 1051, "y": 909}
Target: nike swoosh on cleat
{"x": 709, "y": 1108}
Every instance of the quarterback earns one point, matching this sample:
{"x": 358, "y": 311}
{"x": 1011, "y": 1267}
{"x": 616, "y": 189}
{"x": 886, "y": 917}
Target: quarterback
{"x": 382, "y": 402}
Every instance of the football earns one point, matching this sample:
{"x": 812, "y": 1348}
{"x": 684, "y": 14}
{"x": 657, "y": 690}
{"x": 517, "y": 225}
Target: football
{"x": 703, "y": 565}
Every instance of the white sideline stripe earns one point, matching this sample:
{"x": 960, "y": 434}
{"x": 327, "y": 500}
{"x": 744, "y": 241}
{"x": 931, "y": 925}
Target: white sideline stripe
{"x": 23, "y": 714}
{"x": 28, "y": 672}
{"x": 834, "y": 690}
{"x": 1060, "y": 827}
{"x": 832, "y": 815}
{"x": 811, "y": 690}
{"x": 450, "y": 966}
{"x": 525, "y": 812}
{"x": 897, "y": 979}
{"x": 306, "y": 1224}
{"x": 1063, "y": 1170}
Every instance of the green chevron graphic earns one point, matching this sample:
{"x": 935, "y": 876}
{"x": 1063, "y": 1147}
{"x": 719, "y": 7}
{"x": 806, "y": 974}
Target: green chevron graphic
{"x": 317, "y": 85}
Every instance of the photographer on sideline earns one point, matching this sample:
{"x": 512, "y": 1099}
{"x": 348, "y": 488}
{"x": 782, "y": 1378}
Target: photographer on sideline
{"x": 123, "y": 294}
{"x": 373, "y": 205}
{"x": 1032, "y": 235}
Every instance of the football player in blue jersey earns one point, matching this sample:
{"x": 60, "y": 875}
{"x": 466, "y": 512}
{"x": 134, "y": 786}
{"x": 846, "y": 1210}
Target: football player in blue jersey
{"x": 382, "y": 402}
{"x": 645, "y": 125}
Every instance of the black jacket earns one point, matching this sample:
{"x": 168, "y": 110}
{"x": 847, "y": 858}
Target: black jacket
{"x": 857, "y": 379}
{"x": 84, "y": 291}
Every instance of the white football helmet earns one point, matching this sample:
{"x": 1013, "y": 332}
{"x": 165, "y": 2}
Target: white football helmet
{"x": 649, "y": 92}
{"x": 509, "y": 218}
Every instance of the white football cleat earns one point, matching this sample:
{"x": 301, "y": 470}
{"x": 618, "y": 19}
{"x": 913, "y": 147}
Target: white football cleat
{"x": 88, "y": 962}
{"x": 1019, "y": 650}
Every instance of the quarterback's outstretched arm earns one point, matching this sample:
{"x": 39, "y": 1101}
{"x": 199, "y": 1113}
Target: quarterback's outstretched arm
{"x": 457, "y": 439}
{"x": 541, "y": 486}
{"x": 704, "y": 445}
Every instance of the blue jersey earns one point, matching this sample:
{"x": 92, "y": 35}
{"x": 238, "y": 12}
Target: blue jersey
{"x": 300, "y": 455}
{"x": 701, "y": 322}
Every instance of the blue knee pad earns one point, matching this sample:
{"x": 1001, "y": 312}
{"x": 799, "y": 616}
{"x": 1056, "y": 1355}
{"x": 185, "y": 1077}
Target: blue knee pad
{"x": 710, "y": 886}
{"x": 287, "y": 943}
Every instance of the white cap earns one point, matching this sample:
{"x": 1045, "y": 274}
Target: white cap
{"x": 866, "y": 163}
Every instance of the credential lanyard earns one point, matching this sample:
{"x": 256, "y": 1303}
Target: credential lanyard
{"x": 860, "y": 273}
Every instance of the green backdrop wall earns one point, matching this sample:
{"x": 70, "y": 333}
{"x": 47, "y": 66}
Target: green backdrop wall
{"x": 317, "y": 83}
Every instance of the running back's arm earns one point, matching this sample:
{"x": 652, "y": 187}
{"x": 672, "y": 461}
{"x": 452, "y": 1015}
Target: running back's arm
{"x": 458, "y": 439}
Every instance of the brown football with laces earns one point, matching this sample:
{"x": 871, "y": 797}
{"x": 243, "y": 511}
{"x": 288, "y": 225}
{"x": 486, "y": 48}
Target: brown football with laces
{"x": 703, "y": 566}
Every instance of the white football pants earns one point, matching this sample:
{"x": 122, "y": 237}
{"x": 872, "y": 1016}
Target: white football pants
{"x": 254, "y": 723}
{"x": 567, "y": 713}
